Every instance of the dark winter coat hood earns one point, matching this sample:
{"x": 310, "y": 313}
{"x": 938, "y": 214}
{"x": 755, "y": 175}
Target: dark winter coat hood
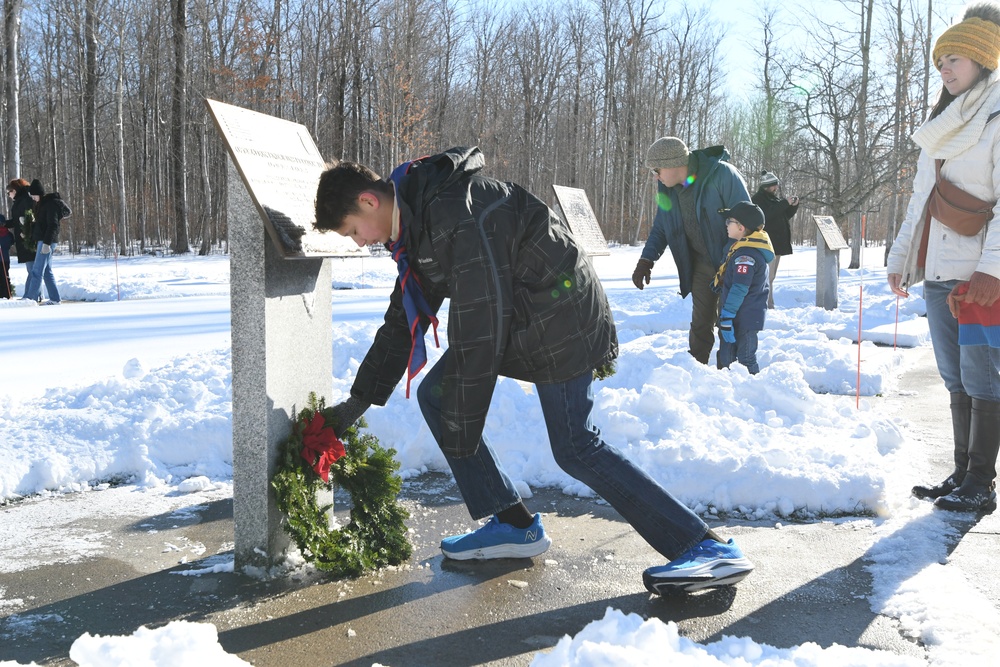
{"x": 49, "y": 210}
{"x": 21, "y": 223}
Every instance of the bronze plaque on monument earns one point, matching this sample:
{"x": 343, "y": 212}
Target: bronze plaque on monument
{"x": 831, "y": 232}
{"x": 576, "y": 211}
{"x": 280, "y": 166}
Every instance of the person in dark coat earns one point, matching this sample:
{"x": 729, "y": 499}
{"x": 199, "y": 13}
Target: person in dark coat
{"x": 778, "y": 213}
{"x": 6, "y": 241}
{"x": 20, "y": 222}
{"x": 49, "y": 210}
{"x": 525, "y": 302}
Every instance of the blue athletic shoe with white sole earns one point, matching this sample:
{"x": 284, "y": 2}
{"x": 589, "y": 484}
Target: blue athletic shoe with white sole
{"x": 498, "y": 540}
{"x": 705, "y": 565}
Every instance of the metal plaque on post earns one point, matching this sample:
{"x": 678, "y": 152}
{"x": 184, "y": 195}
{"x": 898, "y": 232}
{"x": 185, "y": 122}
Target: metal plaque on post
{"x": 576, "y": 211}
{"x": 280, "y": 166}
{"x": 829, "y": 242}
{"x": 830, "y": 232}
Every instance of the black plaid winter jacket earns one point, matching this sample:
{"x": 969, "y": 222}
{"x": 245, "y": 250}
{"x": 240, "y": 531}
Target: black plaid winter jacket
{"x": 525, "y": 300}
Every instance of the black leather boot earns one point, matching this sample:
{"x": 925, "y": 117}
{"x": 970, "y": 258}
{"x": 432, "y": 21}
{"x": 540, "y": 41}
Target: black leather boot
{"x": 978, "y": 490}
{"x": 961, "y": 422}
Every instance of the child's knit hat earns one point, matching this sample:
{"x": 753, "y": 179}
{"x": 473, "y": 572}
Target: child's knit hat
{"x": 748, "y": 213}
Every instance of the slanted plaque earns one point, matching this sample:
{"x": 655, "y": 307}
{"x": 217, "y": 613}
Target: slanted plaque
{"x": 829, "y": 243}
{"x": 280, "y": 166}
{"x": 831, "y": 232}
{"x": 576, "y": 211}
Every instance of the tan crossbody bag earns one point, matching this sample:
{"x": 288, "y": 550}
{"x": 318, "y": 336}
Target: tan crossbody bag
{"x": 956, "y": 208}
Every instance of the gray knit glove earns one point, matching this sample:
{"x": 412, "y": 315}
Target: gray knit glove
{"x": 348, "y": 412}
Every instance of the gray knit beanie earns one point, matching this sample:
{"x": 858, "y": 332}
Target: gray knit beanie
{"x": 767, "y": 179}
{"x": 667, "y": 153}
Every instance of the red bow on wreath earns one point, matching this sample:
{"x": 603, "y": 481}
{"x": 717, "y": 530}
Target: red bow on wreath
{"x": 320, "y": 446}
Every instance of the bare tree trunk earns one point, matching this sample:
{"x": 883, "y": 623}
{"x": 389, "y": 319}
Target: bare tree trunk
{"x": 862, "y": 168}
{"x": 207, "y": 235}
{"x": 120, "y": 143}
{"x": 12, "y": 87}
{"x": 770, "y": 121}
{"x": 276, "y": 34}
{"x": 178, "y": 157}
{"x": 897, "y": 135}
{"x": 445, "y": 73}
{"x": 90, "y": 76}
{"x": 927, "y": 57}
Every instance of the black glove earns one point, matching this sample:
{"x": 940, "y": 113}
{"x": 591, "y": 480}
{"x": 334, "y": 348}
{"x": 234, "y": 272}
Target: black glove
{"x": 346, "y": 413}
{"x": 643, "y": 271}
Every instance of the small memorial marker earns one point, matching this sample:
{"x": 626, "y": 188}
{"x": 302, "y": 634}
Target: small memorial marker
{"x": 829, "y": 242}
{"x": 280, "y": 166}
{"x": 576, "y": 211}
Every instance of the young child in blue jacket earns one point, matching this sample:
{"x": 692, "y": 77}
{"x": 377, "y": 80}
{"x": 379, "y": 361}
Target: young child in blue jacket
{"x": 742, "y": 282}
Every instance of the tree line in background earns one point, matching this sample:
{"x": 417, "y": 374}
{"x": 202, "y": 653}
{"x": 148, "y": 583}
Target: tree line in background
{"x": 104, "y": 101}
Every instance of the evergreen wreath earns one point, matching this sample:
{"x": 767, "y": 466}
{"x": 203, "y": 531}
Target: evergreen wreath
{"x": 376, "y": 534}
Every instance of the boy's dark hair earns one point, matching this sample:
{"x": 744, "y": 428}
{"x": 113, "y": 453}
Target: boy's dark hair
{"x": 338, "y": 191}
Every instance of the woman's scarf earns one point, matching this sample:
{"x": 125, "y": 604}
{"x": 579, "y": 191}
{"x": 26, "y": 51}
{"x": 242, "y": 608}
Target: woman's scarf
{"x": 960, "y": 126}
{"x": 758, "y": 239}
{"x": 414, "y": 303}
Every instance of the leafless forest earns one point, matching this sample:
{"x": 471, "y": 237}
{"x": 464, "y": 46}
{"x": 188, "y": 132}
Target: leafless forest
{"x": 104, "y": 100}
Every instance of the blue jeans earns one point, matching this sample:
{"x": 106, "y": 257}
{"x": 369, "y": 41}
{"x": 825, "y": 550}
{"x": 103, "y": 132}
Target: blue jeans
{"x": 743, "y": 350}
{"x": 41, "y": 270}
{"x": 666, "y": 524}
{"x": 970, "y": 369}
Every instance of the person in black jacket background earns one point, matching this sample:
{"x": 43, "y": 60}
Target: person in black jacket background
{"x": 6, "y": 241}
{"x": 10, "y": 232}
{"x": 20, "y": 222}
{"x": 525, "y": 302}
{"x": 778, "y": 213}
{"x": 49, "y": 210}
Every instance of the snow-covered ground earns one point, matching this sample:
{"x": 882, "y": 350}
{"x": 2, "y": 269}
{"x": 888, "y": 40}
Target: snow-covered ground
{"x": 129, "y": 380}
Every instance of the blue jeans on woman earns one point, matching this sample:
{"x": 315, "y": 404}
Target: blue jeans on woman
{"x": 969, "y": 369}
{"x": 743, "y": 350}
{"x": 41, "y": 271}
{"x": 666, "y": 524}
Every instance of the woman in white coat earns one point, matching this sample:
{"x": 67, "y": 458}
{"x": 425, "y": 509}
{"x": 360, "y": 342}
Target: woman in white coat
{"x": 961, "y": 131}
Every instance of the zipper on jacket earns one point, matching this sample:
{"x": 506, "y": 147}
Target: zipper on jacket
{"x": 493, "y": 265}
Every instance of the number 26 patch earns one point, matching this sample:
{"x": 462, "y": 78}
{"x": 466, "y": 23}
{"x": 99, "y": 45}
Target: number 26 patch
{"x": 743, "y": 264}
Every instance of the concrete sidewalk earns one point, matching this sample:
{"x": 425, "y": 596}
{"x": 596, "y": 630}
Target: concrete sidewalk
{"x": 810, "y": 583}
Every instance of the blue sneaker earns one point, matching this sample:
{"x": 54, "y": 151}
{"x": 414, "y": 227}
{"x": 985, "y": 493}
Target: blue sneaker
{"x": 705, "y": 565}
{"x": 498, "y": 540}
